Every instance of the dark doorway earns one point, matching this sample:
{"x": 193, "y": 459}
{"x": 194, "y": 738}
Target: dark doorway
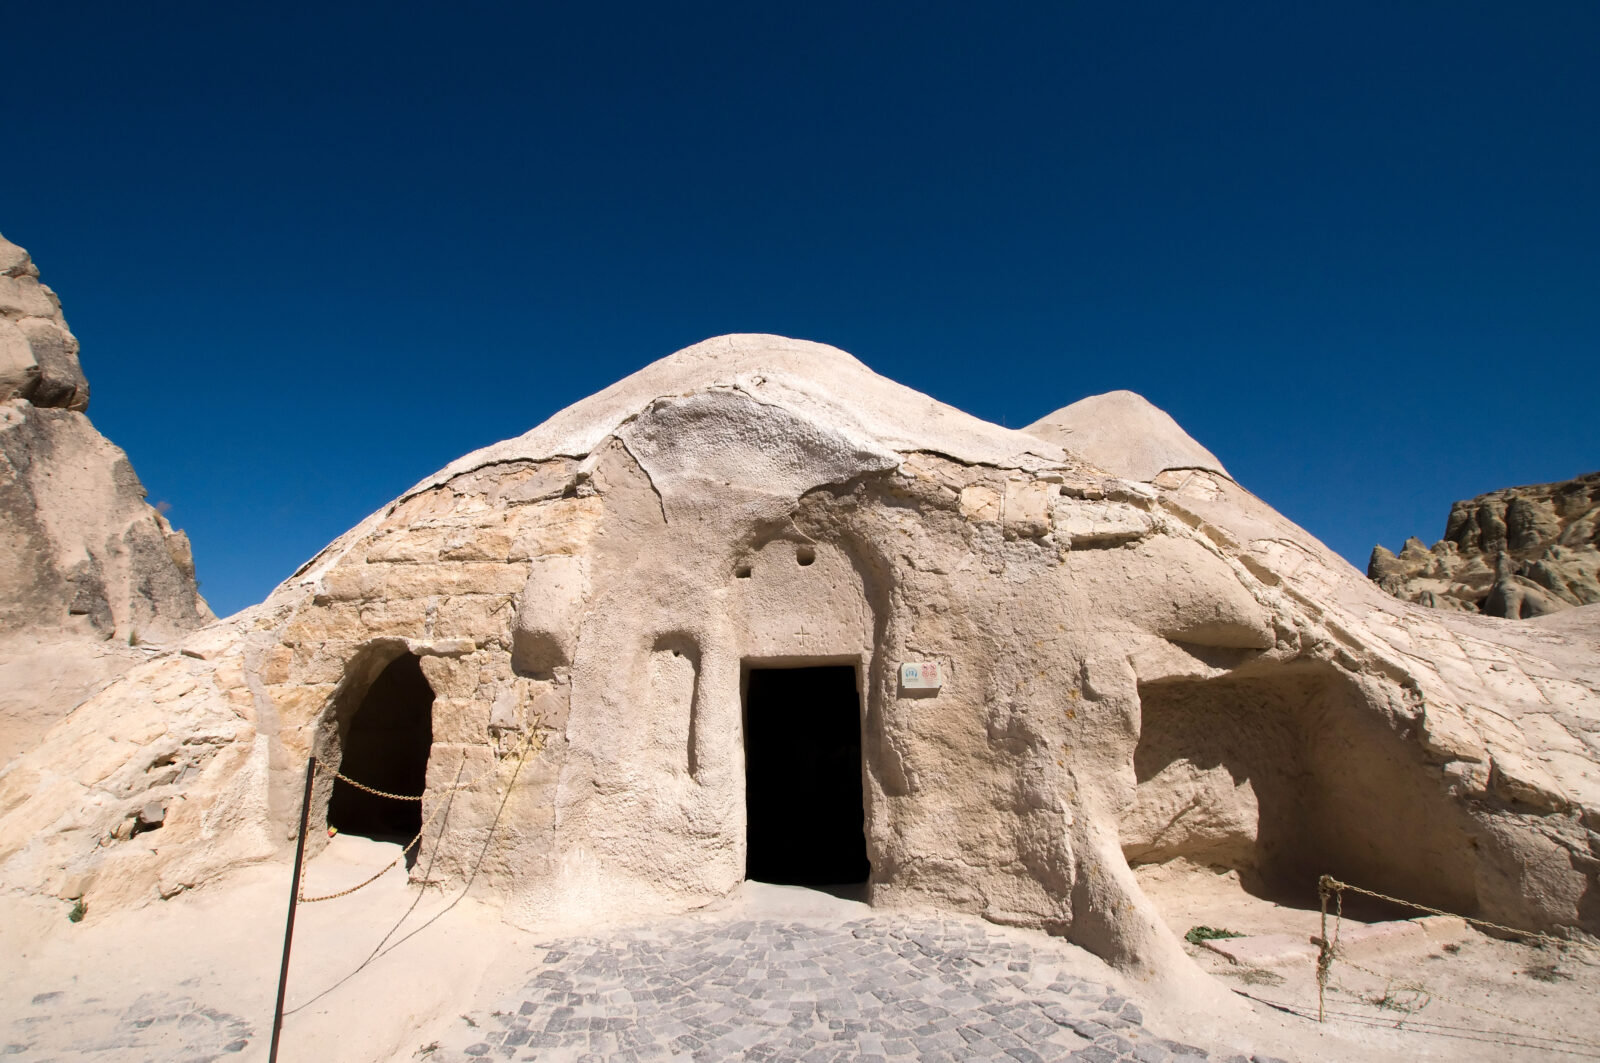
{"x": 802, "y": 740}
{"x": 385, "y": 746}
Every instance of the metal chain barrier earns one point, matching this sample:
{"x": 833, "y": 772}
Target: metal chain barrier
{"x": 374, "y": 792}
{"x": 386, "y": 868}
{"x": 1328, "y": 882}
{"x": 1328, "y": 949}
{"x": 469, "y": 784}
{"x": 414, "y": 842}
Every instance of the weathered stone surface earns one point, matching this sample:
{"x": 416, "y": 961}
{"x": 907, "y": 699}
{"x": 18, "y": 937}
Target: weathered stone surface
{"x": 1135, "y": 670}
{"x": 83, "y": 558}
{"x": 38, "y": 356}
{"x": 1515, "y": 553}
{"x": 1124, "y": 434}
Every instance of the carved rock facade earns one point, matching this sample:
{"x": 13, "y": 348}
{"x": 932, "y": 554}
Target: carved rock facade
{"x": 1139, "y": 665}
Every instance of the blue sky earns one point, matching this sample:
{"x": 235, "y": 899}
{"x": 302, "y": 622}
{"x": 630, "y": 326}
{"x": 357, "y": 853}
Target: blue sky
{"x": 314, "y": 254}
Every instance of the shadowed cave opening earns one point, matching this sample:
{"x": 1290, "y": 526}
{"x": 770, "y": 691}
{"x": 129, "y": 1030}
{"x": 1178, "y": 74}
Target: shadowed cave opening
{"x": 386, "y": 747}
{"x": 1286, "y": 776}
{"x": 802, "y": 731}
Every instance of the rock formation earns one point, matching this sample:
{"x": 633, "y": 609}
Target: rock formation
{"x": 1515, "y": 553}
{"x": 1124, "y": 434}
{"x": 1062, "y": 667}
{"x": 83, "y": 559}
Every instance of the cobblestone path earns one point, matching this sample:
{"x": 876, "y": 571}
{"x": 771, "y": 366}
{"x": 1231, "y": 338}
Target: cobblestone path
{"x": 156, "y": 1028}
{"x": 872, "y": 989}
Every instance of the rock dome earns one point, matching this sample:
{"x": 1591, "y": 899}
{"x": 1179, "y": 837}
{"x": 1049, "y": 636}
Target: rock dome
{"x": 1124, "y": 434}
{"x": 756, "y": 610}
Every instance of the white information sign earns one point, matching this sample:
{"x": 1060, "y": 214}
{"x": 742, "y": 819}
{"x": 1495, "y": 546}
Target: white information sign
{"x": 921, "y": 675}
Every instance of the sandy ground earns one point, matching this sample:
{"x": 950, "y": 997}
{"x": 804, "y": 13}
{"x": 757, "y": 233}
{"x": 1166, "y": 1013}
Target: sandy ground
{"x": 218, "y": 949}
{"x": 1458, "y": 994}
{"x": 195, "y": 977}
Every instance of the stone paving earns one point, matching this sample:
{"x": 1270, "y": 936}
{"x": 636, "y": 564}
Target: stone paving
{"x": 157, "y": 1027}
{"x": 872, "y": 989}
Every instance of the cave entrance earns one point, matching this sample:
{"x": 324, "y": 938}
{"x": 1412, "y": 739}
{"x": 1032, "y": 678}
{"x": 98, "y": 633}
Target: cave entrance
{"x": 1288, "y": 774}
{"x": 385, "y": 746}
{"x": 803, "y": 796}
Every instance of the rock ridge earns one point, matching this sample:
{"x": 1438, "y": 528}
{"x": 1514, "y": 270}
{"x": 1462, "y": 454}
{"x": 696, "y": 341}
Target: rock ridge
{"x": 87, "y": 566}
{"x": 1517, "y": 552}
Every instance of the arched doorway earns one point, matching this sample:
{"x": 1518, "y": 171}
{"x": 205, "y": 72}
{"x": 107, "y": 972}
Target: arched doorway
{"x": 385, "y": 746}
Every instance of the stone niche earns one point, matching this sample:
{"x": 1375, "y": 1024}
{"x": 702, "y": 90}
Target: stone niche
{"x": 1280, "y": 777}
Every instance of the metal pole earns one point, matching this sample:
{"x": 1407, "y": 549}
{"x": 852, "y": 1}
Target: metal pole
{"x": 294, "y": 897}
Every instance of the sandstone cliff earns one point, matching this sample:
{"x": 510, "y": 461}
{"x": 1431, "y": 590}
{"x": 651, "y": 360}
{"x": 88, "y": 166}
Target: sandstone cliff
{"x": 86, "y": 565}
{"x": 1518, "y": 552}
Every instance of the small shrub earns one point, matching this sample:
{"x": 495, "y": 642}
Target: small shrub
{"x": 1198, "y": 934}
{"x": 1546, "y": 972}
{"x": 79, "y": 910}
{"x": 1408, "y": 998}
{"x": 1253, "y": 975}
